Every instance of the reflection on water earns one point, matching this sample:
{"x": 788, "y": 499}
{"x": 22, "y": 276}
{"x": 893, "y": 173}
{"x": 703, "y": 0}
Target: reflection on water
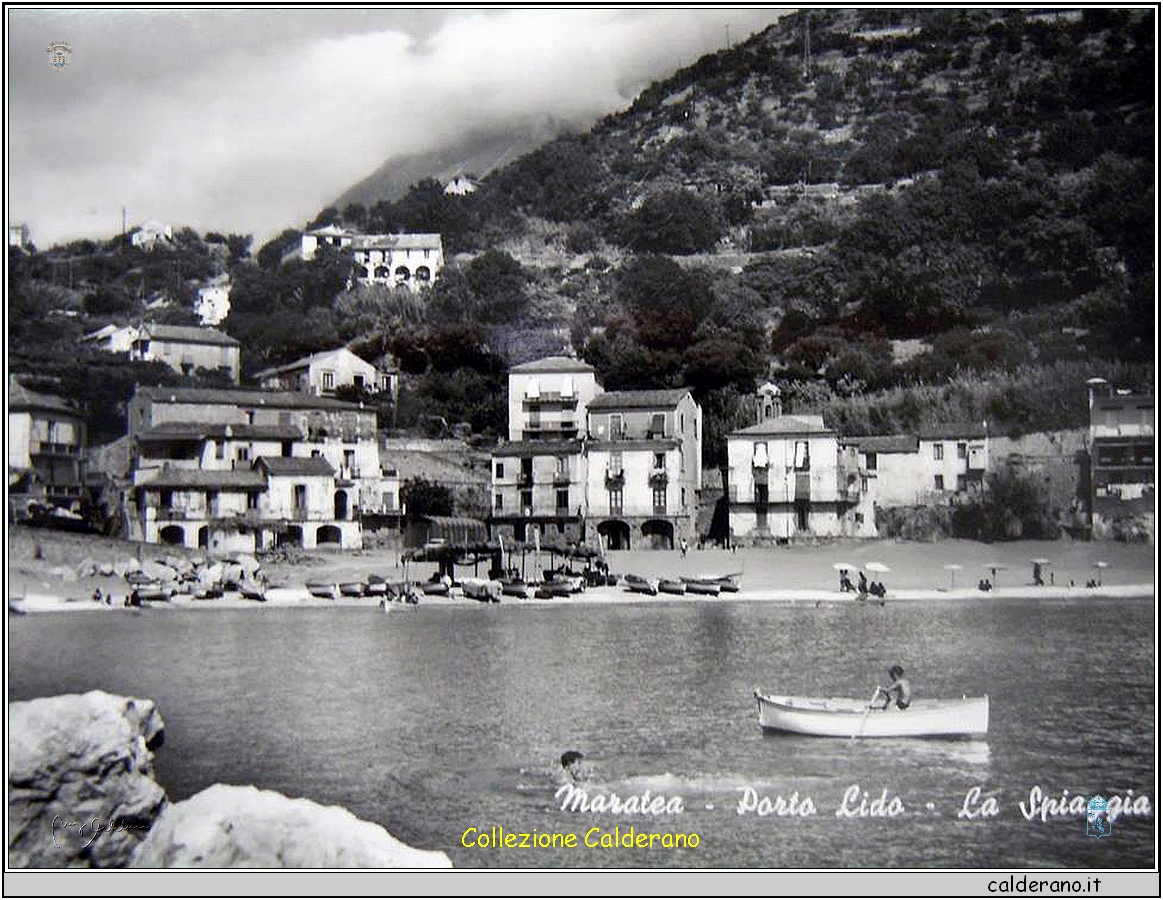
{"x": 450, "y": 718}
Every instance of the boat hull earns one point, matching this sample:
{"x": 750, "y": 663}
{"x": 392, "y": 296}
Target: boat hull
{"x": 701, "y": 586}
{"x": 640, "y": 585}
{"x": 841, "y": 717}
{"x": 669, "y": 586}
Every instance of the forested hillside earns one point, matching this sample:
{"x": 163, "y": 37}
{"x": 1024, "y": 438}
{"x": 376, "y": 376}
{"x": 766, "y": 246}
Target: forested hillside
{"x": 902, "y": 217}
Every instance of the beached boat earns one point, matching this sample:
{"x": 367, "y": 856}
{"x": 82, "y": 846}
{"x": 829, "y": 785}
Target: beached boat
{"x": 516, "y": 588}
{"x": 672, "y": 585}
{"x": 707, "y": 586}
{"x": 550, "y": 589}
{"x": 728, "y": 583}
{"x": 434, "y": 588}
{"x": 377, "y": 586}
{"x": 840, "y": 717}
{"x": 251, "y": 590}
{"x": 352, "y": 588}
{"x": 321, "y": 589}
{"x": 483, "y": 589}
{"x": 640, "y": 585}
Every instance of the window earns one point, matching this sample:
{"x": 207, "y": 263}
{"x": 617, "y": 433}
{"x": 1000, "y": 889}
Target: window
{"x": 864, "y": 484}
{"x": 563, "y": 498}
{"x": 211, "y": 501}
{"x": 938, "y": 451}
{"x": 500, "y": 470}
{"x": 803, "y": 462}
{"x": 385, "y": 382}
{"x": 870, "y": 462}
{"x": 660, "y": 460}
{"x": 962, "y": 450}
{"x": 939, "y": 482}
{"x": 219, "y": 449}
{"x": 659, "y": 501}
{"x": 252, "y": 500}
{"x": 328, "y": 380}
{"x": 499, "y": 502}
{"x": 682, "y": 497}
{"x": 616, "y": 426}
{"x": 527, "y": 469}
{"x": 527, "y": 502}
{"x": 357, "y": 380}
{"x": 316, "y": 454}
{"x": 615, "y": 501}
{"x": 962, "y": 483}
{"x": 616, "y": 462}
{"x": 759, "y": 455}
{"x": 242, "y": 454}
{"x": 165, "y": 499}
{"x": 299, "y": 496}
{"x": 349, "y": 459}
{"x": 563, "y": 465}
{"x": 682, "y": 422}
{"x": 658, "y": 425}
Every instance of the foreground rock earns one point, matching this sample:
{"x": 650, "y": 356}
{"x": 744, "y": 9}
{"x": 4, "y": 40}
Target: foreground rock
{"x": 226, "y": 826}
{"x": 80, "y": 779}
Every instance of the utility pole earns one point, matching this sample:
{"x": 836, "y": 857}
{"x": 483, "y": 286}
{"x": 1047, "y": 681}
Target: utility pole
{"x": 807, "y": 45}
{"x": 727, "y": 27}
{"x": 123, "y": 221}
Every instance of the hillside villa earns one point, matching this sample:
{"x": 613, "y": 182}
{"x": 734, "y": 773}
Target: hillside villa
{"x": 412, "y": 260}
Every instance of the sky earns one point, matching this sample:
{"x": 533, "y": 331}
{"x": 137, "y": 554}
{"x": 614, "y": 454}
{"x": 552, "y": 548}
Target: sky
{"x": 252, "y": 120}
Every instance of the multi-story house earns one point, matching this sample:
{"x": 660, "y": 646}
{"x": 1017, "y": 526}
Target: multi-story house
{"x": 644, "y": 466}
{"x": 785, "y": 478}
{"x": 112, "y": 338}
{"x": 322, "y": 373}
{"x": 185, "y": 348}
{"x": 412, "y": 260}
{"x": 548, "y": 398}
{"x": 1122, "y": 457}
{"x": 235, "y": 469}
{"x": 952, "y": 460}
{"x": 46, "y": 447}
{"x": 624, "y": 464}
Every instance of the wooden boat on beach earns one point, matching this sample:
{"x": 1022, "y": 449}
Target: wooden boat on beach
{"x": 671, "y": 586}
{"x": 551, "y": 589}
{"x": 434, "y": 588}
{"x": 321, "y": 589}
{"x": 352, "y": 588}
{"x": 639, "y": 585}
{"x": 516, "y": 588}
{"x": 728, "y": 583}
{"x": 842, "y": 717}
{"x": 700, "y": 585}
{"x": 376, "y": 586}
{"x": 483, "y": 589}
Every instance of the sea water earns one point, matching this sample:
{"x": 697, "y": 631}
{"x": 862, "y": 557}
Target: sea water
{"x": 444, "y": 724}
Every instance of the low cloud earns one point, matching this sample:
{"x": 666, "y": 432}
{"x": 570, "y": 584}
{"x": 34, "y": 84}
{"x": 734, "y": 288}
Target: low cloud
{"x": 251, "y": 121}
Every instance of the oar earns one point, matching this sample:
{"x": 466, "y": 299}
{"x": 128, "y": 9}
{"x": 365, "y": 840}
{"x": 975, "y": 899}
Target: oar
{"x": 867, "y": 710}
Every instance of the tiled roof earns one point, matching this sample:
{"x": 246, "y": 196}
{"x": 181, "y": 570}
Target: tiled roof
{"x": 20, "y": 397}
{"x": 307, "y": 361}
{"x": 554, "y": 364}
{"x": 657, "y": 399}
{"x": 885, "y": 443}
{"x": 189, "y": 334}
{"x": 787, "y": 425}
{"x": 240, "y": 479}
{"x": 270, "y": 399}
{"x": 197, "y": 431}
{"x": 394, "y": 242}
{"x": 295, "y": 465}
{"x": 537, "y": 448}
{"x": 952, "y": 430}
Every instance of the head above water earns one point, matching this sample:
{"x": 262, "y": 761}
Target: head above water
{"x": 570, "y": 757}
{"x": 896, "y": 672}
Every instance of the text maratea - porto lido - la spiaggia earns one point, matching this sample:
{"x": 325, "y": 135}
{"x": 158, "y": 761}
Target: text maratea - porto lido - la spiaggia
{"x": 1038, "y": 805}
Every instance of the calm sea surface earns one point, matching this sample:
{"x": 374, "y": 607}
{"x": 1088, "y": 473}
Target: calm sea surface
{"x": 433, "y": 720}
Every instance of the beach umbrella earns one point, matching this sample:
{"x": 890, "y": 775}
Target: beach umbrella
{"x": 843, "y": 566}
{"x": 1100, "y": 565}
{"x": 953, "y": 569}
{"x": 877, "y": 567}
{"x": 994, "y": 568}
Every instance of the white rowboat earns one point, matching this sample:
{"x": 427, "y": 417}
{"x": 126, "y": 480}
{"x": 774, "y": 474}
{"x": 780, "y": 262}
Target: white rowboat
{"x": 847, "y": 718}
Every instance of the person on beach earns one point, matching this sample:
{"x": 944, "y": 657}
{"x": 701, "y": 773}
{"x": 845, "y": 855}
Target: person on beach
{"x": 863, "y": 584}
{"x": 899, "y": 690}
{"x": 573, "y": 767}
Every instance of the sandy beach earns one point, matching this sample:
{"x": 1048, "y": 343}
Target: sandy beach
{"x": 799, "y": 573}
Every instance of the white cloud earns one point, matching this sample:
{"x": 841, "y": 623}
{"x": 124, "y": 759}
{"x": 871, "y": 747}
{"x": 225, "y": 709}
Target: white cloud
{"x": 201, "y": 120}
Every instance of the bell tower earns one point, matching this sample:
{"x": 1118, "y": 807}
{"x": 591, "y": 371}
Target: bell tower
{"x": 768, "y": 406}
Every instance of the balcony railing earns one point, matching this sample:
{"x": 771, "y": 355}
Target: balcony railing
{"x": 51, "y": 448}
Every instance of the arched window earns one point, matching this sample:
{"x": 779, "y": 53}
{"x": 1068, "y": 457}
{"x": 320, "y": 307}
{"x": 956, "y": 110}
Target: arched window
{"x": 382, "y": 272}
{"x": 402, "y": 273}
{"x": 422, "y": 274}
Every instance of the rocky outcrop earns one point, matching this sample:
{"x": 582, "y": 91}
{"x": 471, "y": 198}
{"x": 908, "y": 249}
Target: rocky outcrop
{"x": 227, "y": 826}
{"x": 80, "y": 779}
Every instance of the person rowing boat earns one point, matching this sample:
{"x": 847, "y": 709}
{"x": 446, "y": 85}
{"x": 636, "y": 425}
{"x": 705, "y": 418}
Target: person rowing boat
{"x": 899, "y": 690}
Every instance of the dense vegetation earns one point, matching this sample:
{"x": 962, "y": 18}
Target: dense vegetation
{"x": 945, "y": 215}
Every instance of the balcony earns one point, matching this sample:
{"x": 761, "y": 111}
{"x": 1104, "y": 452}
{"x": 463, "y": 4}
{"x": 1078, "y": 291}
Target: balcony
{"x": 550, "y": 398}
{"x": 658, "y": 477}
{"x": 50, "y": 448}
{"x": 803, "y": 489}
{"x": 561, "y": 479}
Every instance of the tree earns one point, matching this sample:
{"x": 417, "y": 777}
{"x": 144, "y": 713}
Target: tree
{"x": 665, "y": 301}
{"x": 677, "y": 222}
{"x": 422, "y": 497}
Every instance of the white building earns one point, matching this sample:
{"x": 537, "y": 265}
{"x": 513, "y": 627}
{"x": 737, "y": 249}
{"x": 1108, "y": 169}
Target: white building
{"x": 185, "y": 349}
{"x": 113, "y": 338}
{"x": 411, "y": 260}
{"x": 548, "y": 398}
{"x": 461, "y": 184}
{"x": 18, "y": 236}
{"x": 149, "y": 234}
{"x": 321, "y": 373}
{"x": 213, "y": 304}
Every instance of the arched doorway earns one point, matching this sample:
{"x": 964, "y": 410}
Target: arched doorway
{"x": 172, "y": 534}
{"x": 328, "y": 534}
{"x": 292, "y": 537}
{"x": 341, "y": 505}
{"x": 658, "y": 534}
{"x": 615, "y": 533}
{"x": 203, "y": 536}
